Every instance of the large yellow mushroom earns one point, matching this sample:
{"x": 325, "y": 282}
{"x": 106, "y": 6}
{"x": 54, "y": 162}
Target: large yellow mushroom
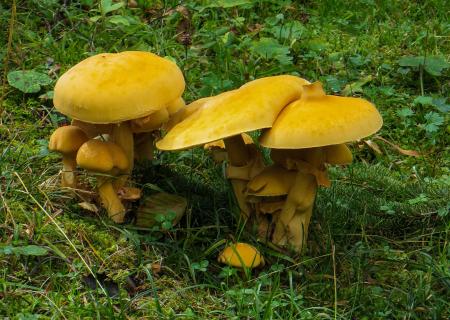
{"x": 119, "y": 94}
{"x": 121, "y": 97}
{"x": 307, "y": 134}
{"x": 253, "y": 106}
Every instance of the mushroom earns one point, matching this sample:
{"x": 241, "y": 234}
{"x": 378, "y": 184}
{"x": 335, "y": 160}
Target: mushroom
{"x": 241, "y": 255}
{"x": 253, "y": 106}
{"x": 307, "y": 134}
{"x": 217, "y": 148}
{"x": 144, "y": 128}
{"x": 67, "y": 140}
{"x": 266, "y": 194}
{"x": 118, "y": 94}
{"x": 107, "y": 158}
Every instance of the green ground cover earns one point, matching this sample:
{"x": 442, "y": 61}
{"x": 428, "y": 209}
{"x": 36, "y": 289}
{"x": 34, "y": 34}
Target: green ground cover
{"x": 379, "y": 244}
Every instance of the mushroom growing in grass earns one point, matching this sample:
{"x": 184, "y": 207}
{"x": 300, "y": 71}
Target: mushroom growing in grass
{"x": 266, "y": 194}
{"x": 119, "y": 94}
{"x": 241, "y": 255}
{"x": 107, "y": 159}
{"x": 67, "y": 140}
{"x": 226, "y": 116}
{"x": 307, "y": 134}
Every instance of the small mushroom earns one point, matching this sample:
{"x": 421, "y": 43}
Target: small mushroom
{"x": 116, "y": 93}
{"x": 108, "y": 159}
{"x": 226, "y": 116}
{"x": 307, "y": 134}
{"x": 241, "y": 255}
{"x": 67, "y": 140}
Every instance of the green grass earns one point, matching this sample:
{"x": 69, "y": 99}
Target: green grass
{"x": 379, "y": 241}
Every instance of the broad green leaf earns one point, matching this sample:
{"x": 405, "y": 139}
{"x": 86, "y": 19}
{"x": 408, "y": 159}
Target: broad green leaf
{"x": 420, "y": 199}
{"x": 291, "y": 30}
{"x": 434, "y": 65}
{"x": 423, "y": 100}
{"x": 434, "y": 121}
{"x": 30, "y": 250}
{"x": 441, "y": 105}
{"x": 28, "y": 81}
{"x": 228, "y": 4}
{"x": 358, "y": 60}
{"x": 95, "y": 18}
{"x": 116, "y": 19}
{"x": 107, "y": 6}
{"x": 333, "y": 83}
{"x": 411, "y": 61}
{"x": 317, "y": 45}
{"x": 405, "y": 112}
{"x": 269, "y": 48}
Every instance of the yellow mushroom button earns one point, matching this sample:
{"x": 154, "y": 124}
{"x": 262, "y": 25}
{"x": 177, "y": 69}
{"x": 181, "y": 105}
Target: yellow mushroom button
{"x": 241, "y": 255}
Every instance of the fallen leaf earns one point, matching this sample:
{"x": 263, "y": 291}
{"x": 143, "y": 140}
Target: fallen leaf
{"x": 129, "y": 193}
{"x": 160, "y": 208}
{"x": 372, "y": 145}
{"x": 88, "y": 206}
{"x": 411, "y": 153}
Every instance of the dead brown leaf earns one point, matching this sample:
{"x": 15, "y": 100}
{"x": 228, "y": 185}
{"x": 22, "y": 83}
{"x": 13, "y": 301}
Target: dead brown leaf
{"x": 372, "y": 145}
{"x": 411, "y": 153}
{"x": 88, "y": 206}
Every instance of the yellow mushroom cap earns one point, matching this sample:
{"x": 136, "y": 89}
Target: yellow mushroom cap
{"x": 67, "y": 139}
{"x": 338, "y": 154}
{"x": 272, "y": 181}
{"x": 318, "y": 120}
{"x": 176, "y": 105}
{"x": 241, "y": 255}
{"x": 101, "y": 156}
{"x": 114, "y": 87}
{"x": 253, "y": 106}
{"x": 183, "y": 113}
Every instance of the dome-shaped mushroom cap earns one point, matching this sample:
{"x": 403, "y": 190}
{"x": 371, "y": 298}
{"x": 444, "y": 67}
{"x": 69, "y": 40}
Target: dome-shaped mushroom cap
{"x": 318, "y": 120}
{"x": 241, "y": 255}
{"x": 67, "y": 139}
{"x": 114, "y": 87}
{"x": 272, "y": 181}
{"x": 101, "y": 156}
{"x": 253, "y": 106}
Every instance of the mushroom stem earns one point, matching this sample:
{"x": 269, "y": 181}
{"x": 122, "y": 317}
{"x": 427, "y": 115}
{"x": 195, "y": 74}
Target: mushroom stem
{"x": 110, "y": 201}
{"x": 238, "y": 156}
{"x": 293, "y": 222}
{"x": 144, "y": 146}
{"x": 68, "y": 177}
{"x": 123, "y": 137}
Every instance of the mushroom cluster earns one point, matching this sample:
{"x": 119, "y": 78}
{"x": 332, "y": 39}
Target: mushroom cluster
{"x": 305, "y": 130}
{"x": 116, "y": 101}
{"x": 226, "y": 116}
